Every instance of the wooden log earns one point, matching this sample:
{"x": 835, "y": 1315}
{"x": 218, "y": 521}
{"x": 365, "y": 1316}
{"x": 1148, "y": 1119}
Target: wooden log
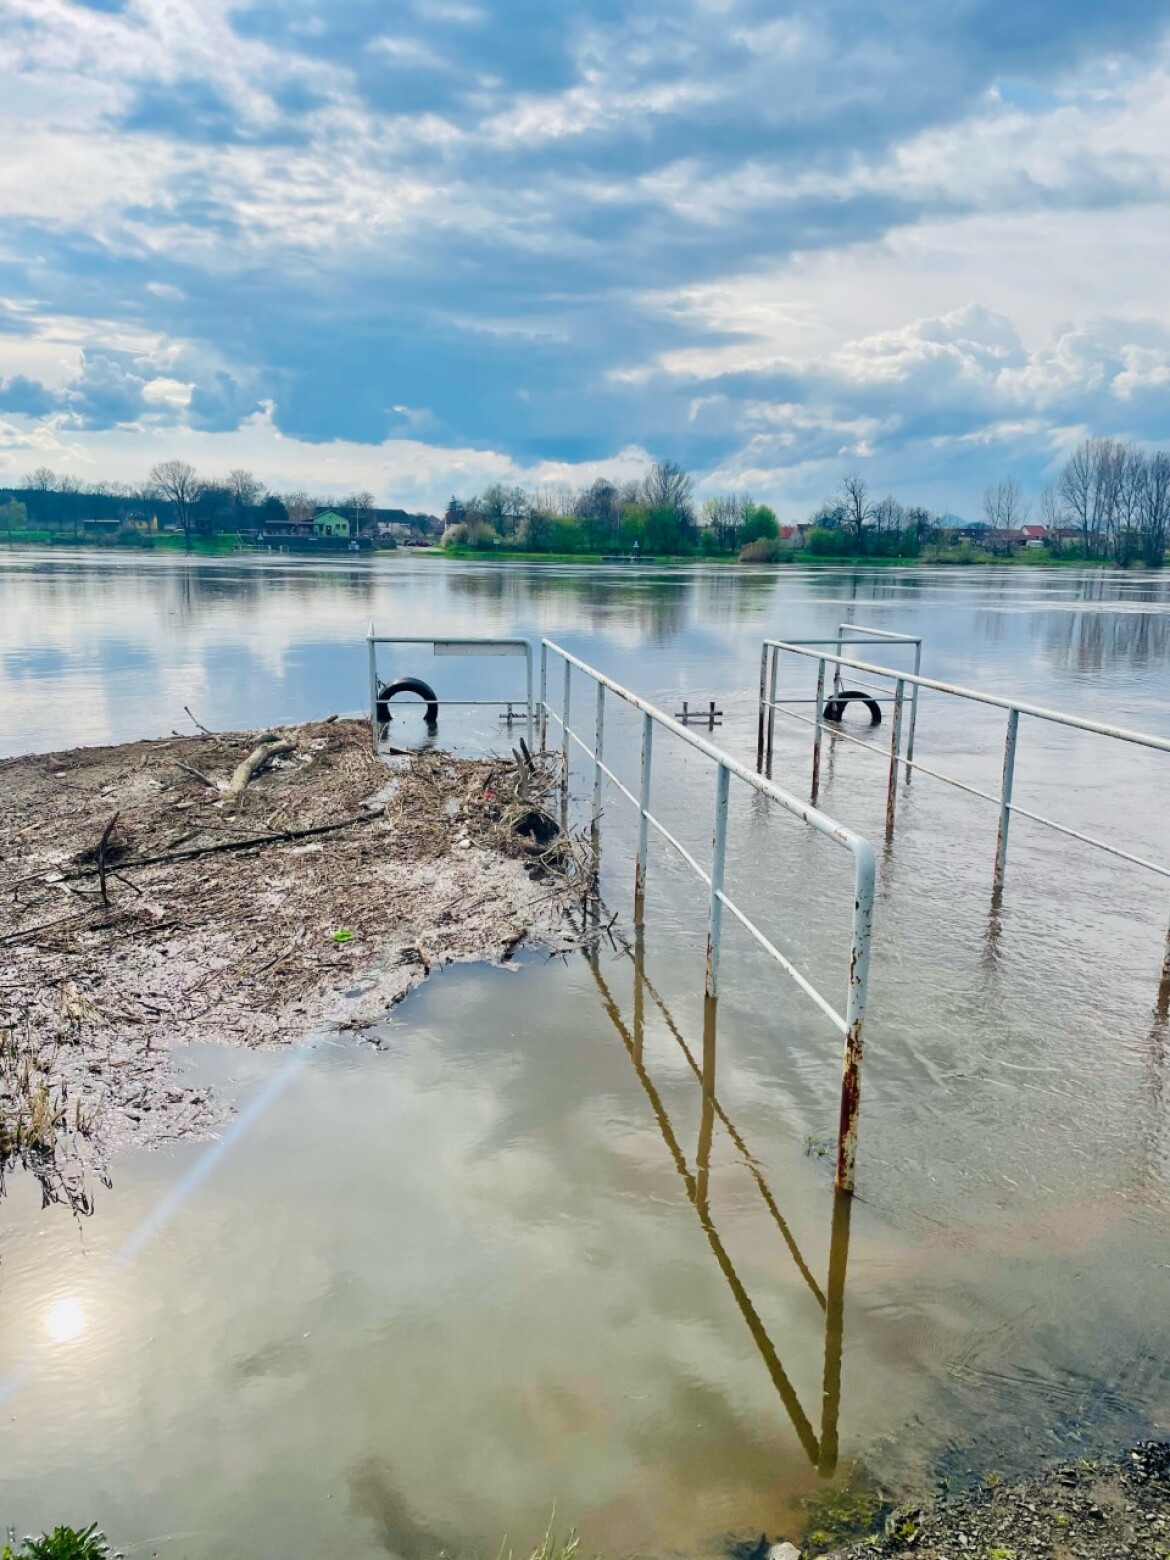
{"x": 259, "y": 758}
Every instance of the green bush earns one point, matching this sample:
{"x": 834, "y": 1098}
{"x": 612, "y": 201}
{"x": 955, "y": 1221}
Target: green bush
{"x": 825, "y": 543}
{"x": 758, "y": 524}
{"x": 63, "y": 1543}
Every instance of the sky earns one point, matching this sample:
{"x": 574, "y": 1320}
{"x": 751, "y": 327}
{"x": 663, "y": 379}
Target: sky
{"x": 417, "y": 246}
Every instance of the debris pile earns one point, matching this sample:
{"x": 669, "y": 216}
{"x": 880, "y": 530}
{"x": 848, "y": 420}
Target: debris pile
{"x": 248, "y": 888}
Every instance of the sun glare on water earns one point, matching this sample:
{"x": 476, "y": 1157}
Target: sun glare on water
{"x": 65, "y": 1320}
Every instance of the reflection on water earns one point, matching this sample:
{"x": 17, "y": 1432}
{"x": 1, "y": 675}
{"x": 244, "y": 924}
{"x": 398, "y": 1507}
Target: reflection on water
{"x": 822, "y": 1450}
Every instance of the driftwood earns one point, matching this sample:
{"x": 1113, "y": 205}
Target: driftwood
{"x": 253, "y": 842}
{"x": 103, "y": 848}
{"x": 259, "y": 758}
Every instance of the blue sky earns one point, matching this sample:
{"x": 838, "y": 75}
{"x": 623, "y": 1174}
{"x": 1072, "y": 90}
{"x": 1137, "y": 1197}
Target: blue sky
{"x": 416, "y": 246}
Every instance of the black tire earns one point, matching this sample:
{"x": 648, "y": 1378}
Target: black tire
{"x": 386, "y": 692}
{"x": 835, "y": 709}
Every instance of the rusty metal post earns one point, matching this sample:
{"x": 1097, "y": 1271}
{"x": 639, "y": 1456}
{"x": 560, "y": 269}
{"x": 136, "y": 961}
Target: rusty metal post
{"x": 772, "y": 706}
{"x": 1005, "y": 798}
{"x": 913, "y": 710}
{"x": 643, "y": 821}
{"x": 895, "y": 754}
{"x": 817, "y": 731}
{"x": 718, "y": 861}
{"x": 763, "y": 701}
{"x": 863, "y": 892}
{"x": 373, "y": 658}
{"x": 838, "y": 684}
{"x": 598, "y": 738}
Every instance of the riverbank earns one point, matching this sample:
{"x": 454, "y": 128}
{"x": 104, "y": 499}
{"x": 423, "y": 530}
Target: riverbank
{"x": 240, "y": 888}
{"x": 1083, "y": 1509}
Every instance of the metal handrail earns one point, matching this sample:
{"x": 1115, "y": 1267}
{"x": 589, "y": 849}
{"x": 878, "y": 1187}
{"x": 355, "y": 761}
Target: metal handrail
{"x": 851, "y": 1023}
{"x": 454, "y": 644}
{"x": 1014, "y": 707}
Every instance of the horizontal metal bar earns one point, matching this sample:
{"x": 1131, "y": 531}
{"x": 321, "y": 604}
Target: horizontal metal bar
{"x": 769, "y": 947}
{"x": 517, "y": 699}
{"x": 679, "y": 846}
{"x": 878, "y": 698}
{"x": 479, "y": 647}
{"x": 516, "y": 646}
{"x": 881, "y": 633}
{"x": 816, "y": 819}
{"x": 1036, "y": 711}
{"x": 990, "y": 796}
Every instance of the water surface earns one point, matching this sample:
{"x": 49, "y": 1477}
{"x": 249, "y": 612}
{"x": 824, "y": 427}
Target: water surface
{"x": 515, "y": 1252}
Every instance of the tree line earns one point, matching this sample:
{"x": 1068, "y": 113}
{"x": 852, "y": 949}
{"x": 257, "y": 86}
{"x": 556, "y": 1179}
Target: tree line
{"x": 657, "y": 515}
{"x": 198, "y": 505}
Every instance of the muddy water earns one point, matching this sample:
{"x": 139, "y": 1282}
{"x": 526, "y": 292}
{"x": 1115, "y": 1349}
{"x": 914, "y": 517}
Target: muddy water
{"x": 515, "y": 1252}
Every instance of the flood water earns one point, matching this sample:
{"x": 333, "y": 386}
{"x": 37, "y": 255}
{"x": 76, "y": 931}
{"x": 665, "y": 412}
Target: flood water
{"x": 560, "y": 1236}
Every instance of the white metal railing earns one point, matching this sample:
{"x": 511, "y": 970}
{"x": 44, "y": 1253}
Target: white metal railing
{"x": 1015, "y": 708}
{"x": 454, "y": 645}
{"x": 850, "y": 1023}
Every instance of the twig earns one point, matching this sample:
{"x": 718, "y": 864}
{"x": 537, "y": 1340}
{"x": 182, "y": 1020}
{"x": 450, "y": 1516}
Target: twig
{"x": 199, "y": 723}
{"x": 198, "y": 773}
{"x": 101, "y": 858}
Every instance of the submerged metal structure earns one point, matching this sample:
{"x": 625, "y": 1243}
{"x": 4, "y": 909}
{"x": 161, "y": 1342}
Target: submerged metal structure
{"x": 851, "y": 1022}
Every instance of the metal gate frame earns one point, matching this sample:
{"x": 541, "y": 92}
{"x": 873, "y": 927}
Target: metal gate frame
{"x": 453, "y": 645}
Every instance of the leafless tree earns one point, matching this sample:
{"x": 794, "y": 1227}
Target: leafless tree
{"x": 180, "y": 484}
{"x": 855, "y": 502}
{"x": 1154, "y": 510}
{"x": 42, "y": 480}
{"x": 1004, "y": 505}
{"x": 1052, "y": 515}
{"x": 245, "y": 488}
{"x": 889, "y": 515}
{"x": 723, "y": 515}
{"x": 300, "y": 505}
{"x": 667, "y": 486}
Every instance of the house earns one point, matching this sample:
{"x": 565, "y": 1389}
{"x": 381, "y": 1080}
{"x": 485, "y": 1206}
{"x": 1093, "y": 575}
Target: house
{"x": 331, "y": 524}
{"x": 791, "y": 535}
{"x": 1035, "y": 535}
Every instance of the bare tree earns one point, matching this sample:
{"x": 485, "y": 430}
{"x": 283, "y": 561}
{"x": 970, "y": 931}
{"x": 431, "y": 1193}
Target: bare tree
{"x": 855, "y": 502}
{"x": 667, "y": 486}
{"x": 1051, "y": 512}
{"x": 1128, "y": 480}
{"x": 889, "y": 515}
{"x": 180, "y": 484}
{"x": 300, "y": 505}
{"x": 42, "y": 480}
{"x": 1004, "y": 505}
{"x": 246, "y": 489}
{"x": 724, "y": 515}
{"x": 1154, "y": 510}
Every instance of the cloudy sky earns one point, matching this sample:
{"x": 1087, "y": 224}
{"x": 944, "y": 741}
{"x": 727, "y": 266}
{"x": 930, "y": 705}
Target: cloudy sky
{"x": 417, "y": 244}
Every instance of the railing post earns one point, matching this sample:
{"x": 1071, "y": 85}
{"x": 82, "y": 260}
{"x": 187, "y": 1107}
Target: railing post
{"x": 817, "y": 730}
{"x": 837, "y": 682}
{"x": 1005, "y": 798}
{"x": 372, "y": 650}
{"x": 565, "y": 717}
{"x": 718, "y": 860}
{"x": 763, "y": 700}
{"x": 643, "y": 823}
{"x": 528, "y": 692}
{"x": 772, "y": 706}
{"x": 895, "y": 754}
{"x": 913, "y": 710}
{"x": 543, "y": 696}
{"x": 598, "y": 738}
{"x": 855, "y": 1014}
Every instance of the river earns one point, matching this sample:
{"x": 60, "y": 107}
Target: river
{"x": 510, "y": 1255}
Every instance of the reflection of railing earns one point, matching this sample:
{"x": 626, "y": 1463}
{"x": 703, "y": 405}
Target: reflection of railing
{"x": 822, "y": 1449}
{"x": 851, "y": 1023}
{"x": 455, "y": 645}
{"x": 1014, "y": 707}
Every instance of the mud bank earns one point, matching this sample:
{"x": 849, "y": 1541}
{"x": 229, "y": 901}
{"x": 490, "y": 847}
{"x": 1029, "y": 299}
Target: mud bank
{"x": 1080, "y": 1511}
{"x": 146, "y": 904}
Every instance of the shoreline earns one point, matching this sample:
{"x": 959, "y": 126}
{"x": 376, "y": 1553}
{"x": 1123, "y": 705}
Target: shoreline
{"x": 314, "y": 899}
{"x": 1080, "y": 1510}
